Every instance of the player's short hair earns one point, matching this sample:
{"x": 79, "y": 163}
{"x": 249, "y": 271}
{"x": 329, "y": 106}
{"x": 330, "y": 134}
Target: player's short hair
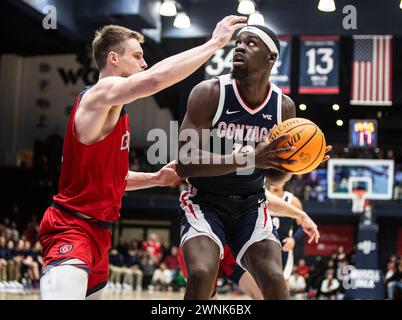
{"x": 270, "y": 33}
{"x": 111, "y": 38}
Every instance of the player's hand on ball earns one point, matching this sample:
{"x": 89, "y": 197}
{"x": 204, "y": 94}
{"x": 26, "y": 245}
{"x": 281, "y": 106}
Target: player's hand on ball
{"x": 224, "y": 29}
{"x": 266, "y": 156}
{"x": 326, "y": 157}
{"x": 310, "y": 228}
{"x": 288, "y": 244}
{"x": 167, "y": 176}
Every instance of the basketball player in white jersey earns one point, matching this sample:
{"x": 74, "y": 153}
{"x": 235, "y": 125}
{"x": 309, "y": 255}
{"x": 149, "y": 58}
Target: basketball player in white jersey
{"x": 287, "y": 227}
{"x": 282, "y": 205}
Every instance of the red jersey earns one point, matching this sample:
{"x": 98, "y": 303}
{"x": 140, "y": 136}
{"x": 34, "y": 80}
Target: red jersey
{"x": 153, "y": 248}
{"x": 93, "y": 177}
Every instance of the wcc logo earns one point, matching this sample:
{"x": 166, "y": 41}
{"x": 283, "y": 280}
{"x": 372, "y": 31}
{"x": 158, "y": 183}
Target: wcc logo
{"x": 71, "y": 76}
{"x": 366, "y": 246}
{"x": 65, "y": 248}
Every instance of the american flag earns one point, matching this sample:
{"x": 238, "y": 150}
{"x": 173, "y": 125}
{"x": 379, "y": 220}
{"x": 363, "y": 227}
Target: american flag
{"x": 372, "y": 71}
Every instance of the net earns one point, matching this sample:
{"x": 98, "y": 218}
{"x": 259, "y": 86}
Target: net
{"x": 359, "y": 200}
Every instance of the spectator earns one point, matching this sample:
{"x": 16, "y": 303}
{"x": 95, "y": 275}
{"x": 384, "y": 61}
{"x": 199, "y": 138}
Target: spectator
{"x": 395, "y": 281}
{"x": 37, "y": 254}
{"x": 122, "y": 246}
{"x": 391, "y": 270}
{"x": 32, "y": 229}
{"x": 162, "y": 277}
{"x": 13, "y": 266}
{"x": 16, "y": 215}
{"x": 116, "y": 263}
{"x": 153, "y": 247}
{"x": 331, "y": 264}
{"x": 148, "y": 267}
{"x": 7, "y": 228}
{"x": 341, "y": 255}
{"x": 133, "y": 262}
{"x": 14, "y": 233}
{"x": 317, "y": 272}
{"x": 330, "y": 286}
{"x": 342, "y": 269}
{"x": 171, "y": 260}
{"x": 3, "y": 261}
{"x": 29, "y": 267}
{"x": 178, "y": 281}
{"x": 297, "y": 286}
{"x": 334, "y": 258}
{"x": 302, "y": 269}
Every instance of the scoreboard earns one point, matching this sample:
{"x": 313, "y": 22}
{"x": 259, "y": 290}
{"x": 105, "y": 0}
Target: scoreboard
{"x": 363, "y": 133}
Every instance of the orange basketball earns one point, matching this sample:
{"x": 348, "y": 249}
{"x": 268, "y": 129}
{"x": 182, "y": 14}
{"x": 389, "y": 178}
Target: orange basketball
{"x": 309, "y": 141}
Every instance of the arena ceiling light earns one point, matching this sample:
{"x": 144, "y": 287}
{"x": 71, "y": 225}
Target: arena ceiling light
{"x": 335, "y": 107}
{"x": 246, "y": 7}
{"x": 168, "y": 8}
{"x": 400, "y": 5}
{"x": 182, "y": 21}
{"x": 302, "y": 107}
{"x": 256, "y": 18}
{"x": 326, "y": 5}
{"x": 339, "y": 123}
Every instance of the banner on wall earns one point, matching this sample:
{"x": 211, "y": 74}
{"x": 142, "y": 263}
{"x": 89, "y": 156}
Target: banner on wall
{"x": 364, "y": 279}
{"x": 280, "y": 74}
{"x": 331, "y": 237}
{"x": 319, "y": 65}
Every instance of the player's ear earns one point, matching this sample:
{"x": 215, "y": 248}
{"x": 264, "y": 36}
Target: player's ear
{"x": 113, "y": 58}
{"x": 272, "y": 57}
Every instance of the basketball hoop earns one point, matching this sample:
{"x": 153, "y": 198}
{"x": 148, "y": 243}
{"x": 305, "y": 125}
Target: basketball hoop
{"x": 359, "y": 200}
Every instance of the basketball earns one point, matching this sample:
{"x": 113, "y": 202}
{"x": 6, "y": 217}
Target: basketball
{"x": 309, "y": 141}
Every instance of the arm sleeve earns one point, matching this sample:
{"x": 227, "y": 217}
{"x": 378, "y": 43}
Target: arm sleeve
{"x": 298, "y": 234}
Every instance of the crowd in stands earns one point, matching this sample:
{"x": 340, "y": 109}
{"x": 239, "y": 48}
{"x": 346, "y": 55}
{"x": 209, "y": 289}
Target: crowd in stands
{"x": 148, "y": 265}
{"x": 145, "y": 265}
{"x": 20, "y": 256}
{"x": 322, "y": 278}
{"x": 326, "y": 277}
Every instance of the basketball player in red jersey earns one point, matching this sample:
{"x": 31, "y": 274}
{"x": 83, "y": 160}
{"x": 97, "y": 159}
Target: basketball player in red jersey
{"x": 74, "y": 231}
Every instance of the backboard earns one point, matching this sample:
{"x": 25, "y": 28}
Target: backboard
{"x": 376, "y": 177}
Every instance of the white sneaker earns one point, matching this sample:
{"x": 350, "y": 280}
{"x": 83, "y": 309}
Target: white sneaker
{"x": 2, "y": 286}
{"x": 127, "y": 287}
{"x": 118, "y": 286}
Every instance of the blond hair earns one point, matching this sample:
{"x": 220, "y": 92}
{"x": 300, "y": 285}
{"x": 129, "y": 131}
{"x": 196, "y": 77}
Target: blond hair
{"x": 111, "y": 38}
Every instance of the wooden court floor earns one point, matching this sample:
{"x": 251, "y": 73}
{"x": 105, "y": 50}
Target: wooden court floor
{"x": 122, "y": 295}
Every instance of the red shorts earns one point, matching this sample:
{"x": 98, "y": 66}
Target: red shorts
{"x": 227, "y": 265}
{"x": 64, "y": 236}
